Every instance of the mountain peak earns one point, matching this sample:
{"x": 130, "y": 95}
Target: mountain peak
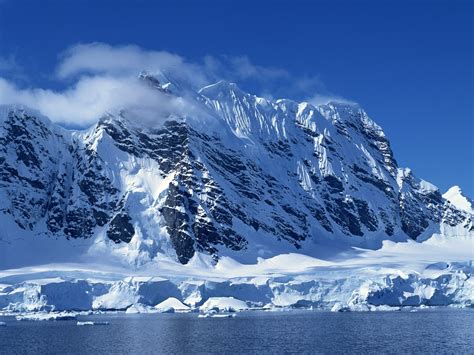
{"x": 222, "y": 86}
{"x": 158, "y": 80}
{"x": 458, "y": 199}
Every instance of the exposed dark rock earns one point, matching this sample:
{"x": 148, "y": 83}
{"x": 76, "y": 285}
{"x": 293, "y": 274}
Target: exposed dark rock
{"x": 366, "y": 215}
{"x": 121, "y": 228}
{"x": 342, "y": 212}
{"x": 334, "y": 184}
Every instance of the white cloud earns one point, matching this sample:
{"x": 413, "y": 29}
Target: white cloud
{"x": 103, "y": 78}
{"x": 91, "y": 97}
{"x": 9, "y": 66}
{"x": 241, "y": 68}
{"x": 100, "y": 58}
{"x": 318, "y": 99}
{"x": 244, "y": 69}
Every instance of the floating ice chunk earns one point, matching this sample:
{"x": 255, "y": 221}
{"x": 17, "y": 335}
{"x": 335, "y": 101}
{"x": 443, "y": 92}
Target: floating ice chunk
{"x": 3, "y": 324}
{"x": 223, "y": 315}
{"x": 172, "y": 303}
{"x": 384, "y": 308}
{"x": 46, "y": 316}
{"x": 92, "y": 323}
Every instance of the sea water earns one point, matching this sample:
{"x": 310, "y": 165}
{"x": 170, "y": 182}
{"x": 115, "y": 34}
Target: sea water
{"x": 424, "y": 331}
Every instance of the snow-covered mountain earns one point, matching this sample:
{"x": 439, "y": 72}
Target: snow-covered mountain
{"x": 237, "y": 175}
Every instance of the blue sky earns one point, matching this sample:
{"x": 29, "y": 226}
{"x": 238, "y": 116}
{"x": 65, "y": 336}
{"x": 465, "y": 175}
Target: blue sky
{"x": 408, "y": 63}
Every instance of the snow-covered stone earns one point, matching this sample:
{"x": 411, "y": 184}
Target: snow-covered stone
{"x": 139, "y": 308}
{"x": 174, "y": 304}
{"x": 223, "y": 304}
{"x": 338, "y": 307}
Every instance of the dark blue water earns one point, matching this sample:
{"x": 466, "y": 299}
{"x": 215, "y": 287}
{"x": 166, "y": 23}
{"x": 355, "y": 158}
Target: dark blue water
{"x": 434, "y": 331}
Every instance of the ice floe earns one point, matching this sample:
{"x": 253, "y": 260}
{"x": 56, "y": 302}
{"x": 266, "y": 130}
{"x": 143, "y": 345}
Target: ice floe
{"x": 44, "y": 316}
{"x": 92, "y": 323}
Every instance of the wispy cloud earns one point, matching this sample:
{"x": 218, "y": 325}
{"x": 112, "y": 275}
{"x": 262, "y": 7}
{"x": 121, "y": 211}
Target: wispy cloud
{"x": 9, "y": 65}
{"x": 245, "y": 69}
{"x": 91, "y": 97}
{"x": 319, "y": 99}
{"x": 272, "y": 82}
{"x": 104, "y": 59}
{"x": 102, "y": 78}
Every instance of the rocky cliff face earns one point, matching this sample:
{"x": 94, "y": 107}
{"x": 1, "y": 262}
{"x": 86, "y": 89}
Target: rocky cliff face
{"x": 253, "y": 178}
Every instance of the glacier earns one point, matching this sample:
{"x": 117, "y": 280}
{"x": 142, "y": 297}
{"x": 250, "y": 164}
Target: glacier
{"x": 227, "y": 198}
{"x": 397, "y": 276}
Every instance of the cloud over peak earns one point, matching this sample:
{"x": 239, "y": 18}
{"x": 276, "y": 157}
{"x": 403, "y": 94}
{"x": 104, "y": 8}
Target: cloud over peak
{"x": 103, "y": 78}
{"x": 104, "y": 59}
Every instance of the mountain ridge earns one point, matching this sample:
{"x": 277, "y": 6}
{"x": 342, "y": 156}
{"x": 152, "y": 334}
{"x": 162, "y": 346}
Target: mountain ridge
{"x": 249, "y": 178}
